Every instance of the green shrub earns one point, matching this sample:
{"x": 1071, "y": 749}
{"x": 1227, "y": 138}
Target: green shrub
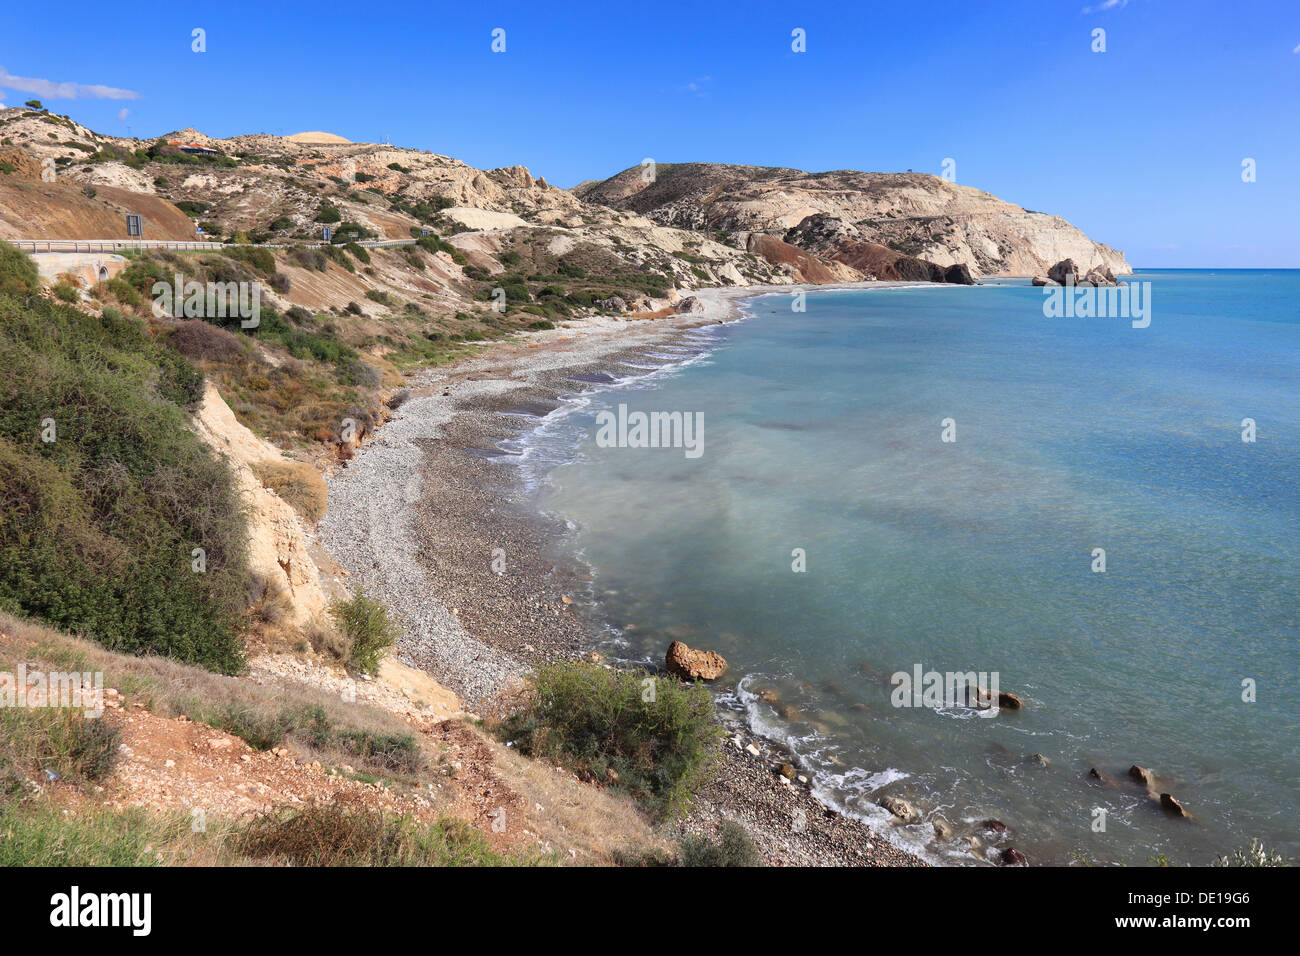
{"x": 61, "y": 740}
{"x": 734, "y": 847}
{"x": 349, "y": 231}
{"x": 124, "y": 292}
{"x": 66, "y": 292}
{"x": 655, "y": 738}
{"x": 260, "y": 259}
{"x": 99, "y": 526}
{"x": 333, "y": 835}
{"x": 18, "y": 272}
{"x": 337, "y": 254}
{"x": 365, "y": 622}
{"x": 328, "y": 213}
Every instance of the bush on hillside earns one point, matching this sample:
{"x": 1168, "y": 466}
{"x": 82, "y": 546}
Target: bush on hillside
{"x": 365, "y": 624}
{"x": 18, "y": 273}
{"x": 260, "y": 259}
{"x": 334, "y": 835}
{"x": 653, "y": 737}
{"x": 100, "y": 524}
{"x": 733, "y": 847}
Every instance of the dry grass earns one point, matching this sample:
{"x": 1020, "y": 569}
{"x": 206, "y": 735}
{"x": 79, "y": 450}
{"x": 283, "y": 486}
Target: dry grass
{"x": 297, "y": 483}
{"x": 171, "y": 689}
{"x": 599, "y": 826}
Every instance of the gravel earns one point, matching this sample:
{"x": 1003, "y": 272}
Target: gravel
{"x": 418, "y": 515}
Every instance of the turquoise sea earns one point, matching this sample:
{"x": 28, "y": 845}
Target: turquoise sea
{"x": 823, "y": 432}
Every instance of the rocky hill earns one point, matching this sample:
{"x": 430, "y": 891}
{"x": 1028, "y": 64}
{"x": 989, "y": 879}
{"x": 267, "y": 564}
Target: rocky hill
{"x": 685, "y": 227}
{"x": 835, "y": 214}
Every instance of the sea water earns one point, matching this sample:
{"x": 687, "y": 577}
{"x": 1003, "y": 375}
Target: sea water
{"x": 946, "y": 477}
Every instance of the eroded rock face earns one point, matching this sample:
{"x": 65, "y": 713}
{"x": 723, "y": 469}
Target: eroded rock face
{"x": 959, "y": 274}
{"x": 1064, "y": 272}
{"x": 689, "y": 664}
{"x": 277, "y": 548}
{"x": 936, "y": 220}
{"x": 1099, "y": 276}
{"x": 801, "y": 266}
{"x": 880, "y": 262}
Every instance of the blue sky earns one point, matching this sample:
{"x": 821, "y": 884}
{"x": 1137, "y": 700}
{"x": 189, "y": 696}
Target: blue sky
{"x": 1141, "y": 146}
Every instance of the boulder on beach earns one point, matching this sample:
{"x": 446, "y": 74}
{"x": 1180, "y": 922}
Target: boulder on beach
{"x": 1141, "y": 775}
{"x": 1012, "y": 857}
{"x": 689, "y": 304}
{"x": 1043, "y": 280}
{"x": 690, "y": 664}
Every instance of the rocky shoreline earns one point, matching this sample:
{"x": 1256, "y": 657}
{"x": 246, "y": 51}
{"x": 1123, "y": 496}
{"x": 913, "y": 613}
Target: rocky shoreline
{"x": 427, "y": 518}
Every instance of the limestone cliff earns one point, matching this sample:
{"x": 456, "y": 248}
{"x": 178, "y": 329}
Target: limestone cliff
{"x": 912, "y": 213}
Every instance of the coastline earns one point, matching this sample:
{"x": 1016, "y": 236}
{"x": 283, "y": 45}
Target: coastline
{"x": 425, "y": 509}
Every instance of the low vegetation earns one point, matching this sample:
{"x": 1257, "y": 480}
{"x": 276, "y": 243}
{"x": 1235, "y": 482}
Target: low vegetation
{"x": 733, "y": 846}
{"x": 364, "y": 623}
{"x": 298, "y": 483}
{"x": 314, "y": 835}
{"x": 118, "y": 521}
{"x": 341, "y": 836}
{"x": 653, "y": 738}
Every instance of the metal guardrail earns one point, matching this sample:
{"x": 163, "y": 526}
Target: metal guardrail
{"x": 37, "y": 246}
{"x": 40, "y": 246}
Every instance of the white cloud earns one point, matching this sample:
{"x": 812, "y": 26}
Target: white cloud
{"x": 1297, "y": 48}
{"x": 1106, "y": 5}
{"x": 698, "y": 86}
{"x": 50, "y": 90}
{"x": 123, "y": 115}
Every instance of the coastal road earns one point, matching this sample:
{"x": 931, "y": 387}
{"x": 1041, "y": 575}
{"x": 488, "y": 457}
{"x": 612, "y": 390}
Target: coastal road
{"x": 47, "y": 246}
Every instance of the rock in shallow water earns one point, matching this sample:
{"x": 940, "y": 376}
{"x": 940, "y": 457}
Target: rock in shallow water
{"x": 1172, "y": 806}
{"x": 690, "y": 664}
{"x": 903, "y": 811}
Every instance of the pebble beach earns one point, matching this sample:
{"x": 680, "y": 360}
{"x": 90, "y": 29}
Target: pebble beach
{"x": 428, "y": 518}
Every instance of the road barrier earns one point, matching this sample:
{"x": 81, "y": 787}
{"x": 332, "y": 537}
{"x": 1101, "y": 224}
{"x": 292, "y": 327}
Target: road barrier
{"x": 39, "y": 246}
